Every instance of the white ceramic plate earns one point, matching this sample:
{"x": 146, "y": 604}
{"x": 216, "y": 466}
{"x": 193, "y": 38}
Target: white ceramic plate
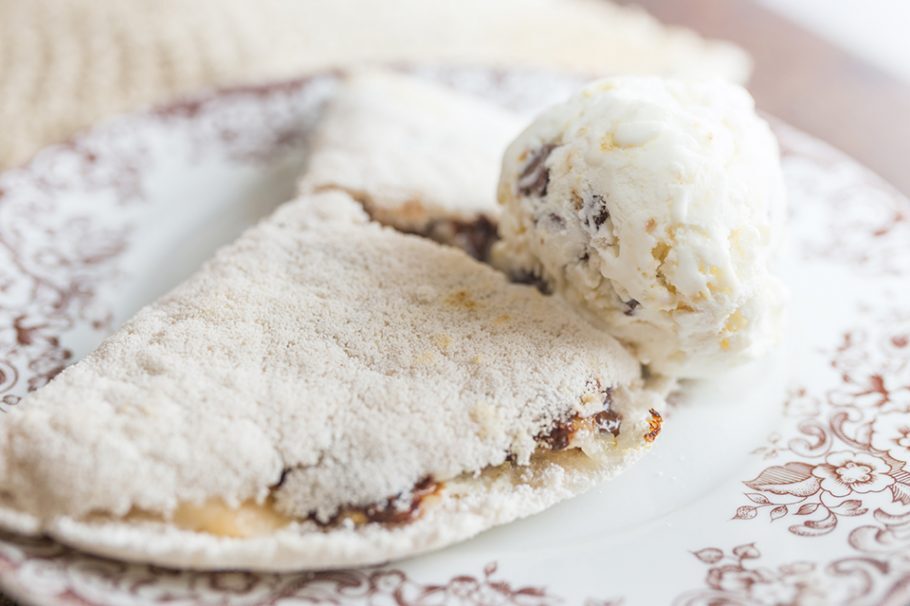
{"x": 782, "y": 483}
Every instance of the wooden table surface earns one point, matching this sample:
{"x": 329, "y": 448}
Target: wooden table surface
{"x": 810, "y": 82}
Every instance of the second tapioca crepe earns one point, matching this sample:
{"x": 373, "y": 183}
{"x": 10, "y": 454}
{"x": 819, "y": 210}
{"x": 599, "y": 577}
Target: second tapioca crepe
{"x": 421, "y": 157}
{"x": 325, "y": 392}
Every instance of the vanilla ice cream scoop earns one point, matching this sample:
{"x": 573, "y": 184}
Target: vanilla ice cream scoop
{"x": 656, "y": 206}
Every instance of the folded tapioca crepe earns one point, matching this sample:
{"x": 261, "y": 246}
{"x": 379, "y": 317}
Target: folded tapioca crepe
{"x": 420, "y": 156}
{"x": 324, "y": 392}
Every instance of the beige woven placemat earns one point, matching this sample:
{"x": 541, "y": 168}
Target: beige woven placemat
{"x": 66, "y": 63}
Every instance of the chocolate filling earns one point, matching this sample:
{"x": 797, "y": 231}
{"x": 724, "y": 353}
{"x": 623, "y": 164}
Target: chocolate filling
{"x": 474, "y": 237}
{"x": 400, "y": 509}
{"x": 406, "y": 507}
{"x": 560, "y": 435}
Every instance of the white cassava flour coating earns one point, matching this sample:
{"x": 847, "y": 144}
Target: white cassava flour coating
{"x": 421, "y": 157}
{"x": 656, "y": 206}
{"x": 319, "y": 365}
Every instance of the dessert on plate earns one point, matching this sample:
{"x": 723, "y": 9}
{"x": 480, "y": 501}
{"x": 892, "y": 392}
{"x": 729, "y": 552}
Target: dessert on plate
{"x": 656, "y": 206}
{"x": 325, "y": 392}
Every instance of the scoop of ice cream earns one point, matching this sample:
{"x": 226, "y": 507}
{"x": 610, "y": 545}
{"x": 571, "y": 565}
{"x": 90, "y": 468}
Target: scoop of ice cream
{"x": 656, "y": 206}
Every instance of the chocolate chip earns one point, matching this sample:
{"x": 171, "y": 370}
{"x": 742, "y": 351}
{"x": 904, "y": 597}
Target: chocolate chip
{"x": 596, "y": 212}
{"x": 282, "y": 478}
{"x": 535, "y": 177}
{"x": 556, "y": 219}
{"x": 400, "y": 509}
{"x": 608, "y": 420}
{"x": 645, "y": 372}
{"x": 602, "y": 212}
{"x": 559, "y": 435}
{"x": 631, "y": 306}
{"x": 526, "y": 277}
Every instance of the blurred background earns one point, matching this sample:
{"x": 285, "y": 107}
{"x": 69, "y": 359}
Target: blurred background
{"x": 840, "y": 70}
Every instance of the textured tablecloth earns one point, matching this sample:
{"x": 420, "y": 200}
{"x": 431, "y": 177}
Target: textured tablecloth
{"x": 66, "y": 63}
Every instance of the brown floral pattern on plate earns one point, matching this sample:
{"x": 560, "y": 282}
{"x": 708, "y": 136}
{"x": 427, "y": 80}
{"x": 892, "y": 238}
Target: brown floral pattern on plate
{"x": 840, "y": 466}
